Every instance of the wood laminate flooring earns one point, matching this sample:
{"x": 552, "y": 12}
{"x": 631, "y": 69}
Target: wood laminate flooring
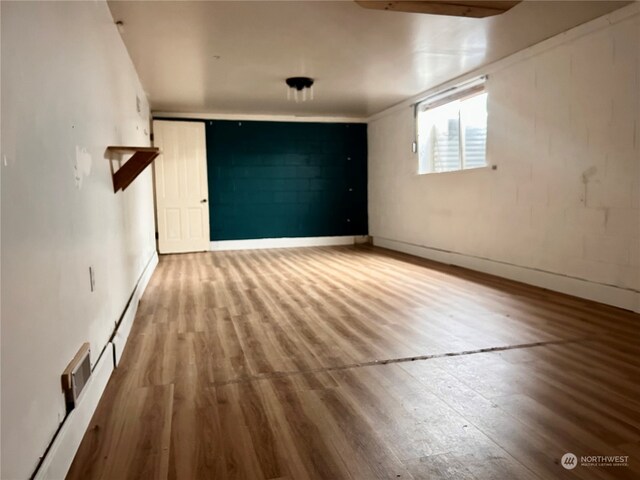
{"x": 359, "y": 363}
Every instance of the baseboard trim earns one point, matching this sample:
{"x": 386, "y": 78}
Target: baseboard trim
{"x": 58, "y": 460}
{"x": 62, "y": 451}
{"x": 121, "y": 334}
{"x": 262, "y": 243}
{"x": 607, "y": 294}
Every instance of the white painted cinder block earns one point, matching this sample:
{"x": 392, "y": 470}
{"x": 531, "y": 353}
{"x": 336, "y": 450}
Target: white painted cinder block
{"x": 564, "y": 133}
{"x": 607, "y": 249}
{"x": 624, "y": 222}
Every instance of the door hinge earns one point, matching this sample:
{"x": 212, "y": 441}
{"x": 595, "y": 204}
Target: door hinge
{"x": 151, "y": 136}
{"x": 157, "y": 236}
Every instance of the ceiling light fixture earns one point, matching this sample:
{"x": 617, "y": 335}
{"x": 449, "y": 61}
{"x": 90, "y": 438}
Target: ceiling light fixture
{"x": 297, "y": 85}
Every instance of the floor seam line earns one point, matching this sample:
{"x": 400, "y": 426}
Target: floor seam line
{"x": 372, "y": 363}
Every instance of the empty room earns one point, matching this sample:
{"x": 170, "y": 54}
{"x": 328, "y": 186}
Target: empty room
{"x": 320, "y": 240}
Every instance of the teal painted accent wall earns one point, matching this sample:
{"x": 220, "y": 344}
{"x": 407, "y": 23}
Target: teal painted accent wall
{"x": 286, "y": 179}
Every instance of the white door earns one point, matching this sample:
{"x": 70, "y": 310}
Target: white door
{"x": 182, "y": 194}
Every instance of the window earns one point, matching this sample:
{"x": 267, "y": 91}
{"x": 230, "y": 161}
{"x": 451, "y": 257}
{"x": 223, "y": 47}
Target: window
{"x": 452, "y": 129}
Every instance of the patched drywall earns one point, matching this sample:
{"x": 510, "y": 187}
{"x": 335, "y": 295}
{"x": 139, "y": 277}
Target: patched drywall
{"x": 68, "y": 91}
{"x": 564, "y": 133}
{"x": 82, "y": 166}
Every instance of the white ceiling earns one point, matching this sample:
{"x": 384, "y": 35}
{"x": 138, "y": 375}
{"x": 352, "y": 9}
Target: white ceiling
{"x": 233, "y": 56}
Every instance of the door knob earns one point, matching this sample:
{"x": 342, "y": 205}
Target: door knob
{"x": 204, "y": 200}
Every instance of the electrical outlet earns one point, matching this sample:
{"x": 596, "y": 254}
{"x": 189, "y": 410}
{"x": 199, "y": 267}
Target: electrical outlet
{"x": 92, "y": 279}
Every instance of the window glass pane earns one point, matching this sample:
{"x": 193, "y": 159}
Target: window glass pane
{"x": 473, "y": 116}
{"x": 453, "y": 135}
{"x": 439, "y": 136}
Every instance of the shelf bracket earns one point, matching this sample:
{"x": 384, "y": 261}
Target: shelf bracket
{"x": 134, "y": 166}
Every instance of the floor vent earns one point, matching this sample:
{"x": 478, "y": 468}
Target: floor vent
{"x": 76, "y": 376}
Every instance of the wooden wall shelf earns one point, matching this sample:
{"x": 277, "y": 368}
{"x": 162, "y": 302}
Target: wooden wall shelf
{"x": 127, "y": 173}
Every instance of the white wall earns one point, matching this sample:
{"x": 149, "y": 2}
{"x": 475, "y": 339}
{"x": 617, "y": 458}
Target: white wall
{"x": 564, "y": 133}
{"x": 68, "y": 91}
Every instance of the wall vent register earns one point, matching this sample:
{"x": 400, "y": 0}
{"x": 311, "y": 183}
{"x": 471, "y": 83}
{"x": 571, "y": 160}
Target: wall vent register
{"x": 76, "y": 376}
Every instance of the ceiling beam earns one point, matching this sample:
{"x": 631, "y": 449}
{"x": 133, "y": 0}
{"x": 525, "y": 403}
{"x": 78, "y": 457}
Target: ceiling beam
{"x": 465, "y": 8}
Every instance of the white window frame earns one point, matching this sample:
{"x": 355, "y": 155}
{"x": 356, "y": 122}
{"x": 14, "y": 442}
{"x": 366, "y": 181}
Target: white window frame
{"x": 459, "y": 92}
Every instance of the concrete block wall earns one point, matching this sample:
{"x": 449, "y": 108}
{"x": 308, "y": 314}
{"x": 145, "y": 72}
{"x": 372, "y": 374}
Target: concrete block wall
{"x": 286, "y": 179}
{"x": 564, "y": 134}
